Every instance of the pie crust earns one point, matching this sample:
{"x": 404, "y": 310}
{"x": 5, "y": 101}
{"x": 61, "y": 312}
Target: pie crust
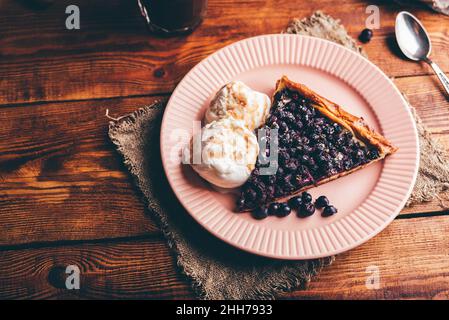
{"x": 336, "y": 113}
{"x": 356, "y": 125}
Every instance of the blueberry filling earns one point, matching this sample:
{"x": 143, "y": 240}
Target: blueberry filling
{"x": 311, "y": 148}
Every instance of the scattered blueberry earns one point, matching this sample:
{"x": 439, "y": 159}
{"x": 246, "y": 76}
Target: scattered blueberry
{"x": 284, "y": 210}
{"x": 260, "y": 213}
{"x": 321, "y": 202}
{"x": 329, "y": 211}
{"x": 306, "y": 210}
{"x": 295, "y": 202}
{"x": 273, "y": 209}
{"x": 306, "y": 197}
{"x": 366, "y": 35}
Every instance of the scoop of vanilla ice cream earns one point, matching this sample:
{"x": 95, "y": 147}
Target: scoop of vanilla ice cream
{"x": 224, "y": 153}
{"x": 240, "y": 102}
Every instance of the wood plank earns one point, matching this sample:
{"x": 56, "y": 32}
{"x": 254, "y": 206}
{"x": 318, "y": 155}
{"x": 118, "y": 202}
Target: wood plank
{"x": 61, "y": 178}
{"x": 426, "y": 94}
{"x": 113, "y": 54}
{"x": 411, "y": 255}
{"x": 126, "y": 270}
{"x": 61, "y": 182}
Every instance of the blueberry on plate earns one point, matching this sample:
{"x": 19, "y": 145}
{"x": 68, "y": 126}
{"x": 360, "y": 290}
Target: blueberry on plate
{"x": 295, "y": 202}
{"x": 306, "y": 197}
{"x": 273, "y": 209}
{"x": 260, "y": 213}
{"x": 240, "y": 203}
{"x": 284, "y": 210}
{"x": 329, "y": 211}
{"x": 321, "y": 202}
{"x": 306, "y": 210}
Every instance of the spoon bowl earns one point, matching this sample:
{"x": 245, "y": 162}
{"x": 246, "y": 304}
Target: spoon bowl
{"x": 414, "y": 42}
{"x": 412, "y": 37}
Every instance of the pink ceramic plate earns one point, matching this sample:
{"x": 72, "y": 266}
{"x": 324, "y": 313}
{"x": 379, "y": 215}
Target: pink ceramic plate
{"x": 368, "y": 200}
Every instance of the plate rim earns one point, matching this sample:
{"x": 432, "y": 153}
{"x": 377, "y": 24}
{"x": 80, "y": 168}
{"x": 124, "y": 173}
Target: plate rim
{"x": 354, "y": 244}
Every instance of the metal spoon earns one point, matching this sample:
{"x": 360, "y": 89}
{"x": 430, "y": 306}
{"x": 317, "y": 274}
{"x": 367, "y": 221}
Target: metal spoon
{"x": 414, "y": 42}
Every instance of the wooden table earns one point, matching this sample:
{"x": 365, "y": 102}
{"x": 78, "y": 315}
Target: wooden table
{"x": 66, "y": 198}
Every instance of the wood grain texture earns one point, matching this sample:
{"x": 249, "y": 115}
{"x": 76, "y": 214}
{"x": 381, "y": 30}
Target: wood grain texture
{"x": 113, "y": 54}
{"x": 66, "y": 198}
{"x": 411, "y": 254}
{"x": 63, "y": 180}
{"x": 61, "y": 177}
{"x": 134, "y": 269}
{"x": 426, "y": 94}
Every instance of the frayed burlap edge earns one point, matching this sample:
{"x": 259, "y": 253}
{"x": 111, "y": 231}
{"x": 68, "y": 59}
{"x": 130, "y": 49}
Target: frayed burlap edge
{"x": 433, "y": 173}
{"x": 323, "y": 26}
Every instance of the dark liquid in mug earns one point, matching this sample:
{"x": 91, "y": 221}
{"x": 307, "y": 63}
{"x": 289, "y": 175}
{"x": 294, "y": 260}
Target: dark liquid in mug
{"x": 174, "y": 15}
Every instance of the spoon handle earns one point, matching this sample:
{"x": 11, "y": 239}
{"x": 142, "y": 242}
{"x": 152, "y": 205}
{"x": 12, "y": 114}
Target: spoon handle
{"x": 443, "y": 78}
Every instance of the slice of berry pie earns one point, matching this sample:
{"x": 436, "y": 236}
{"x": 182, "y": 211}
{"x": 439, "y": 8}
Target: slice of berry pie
{"x": 318, "y": 142}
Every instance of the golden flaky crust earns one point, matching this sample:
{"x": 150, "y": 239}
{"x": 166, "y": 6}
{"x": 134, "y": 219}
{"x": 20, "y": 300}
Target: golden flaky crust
{"x": 337, "y": 114}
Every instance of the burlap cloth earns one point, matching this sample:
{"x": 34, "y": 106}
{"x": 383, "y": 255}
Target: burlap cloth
{"x": 216, "y": 270}
{"x": 437, "y": 5}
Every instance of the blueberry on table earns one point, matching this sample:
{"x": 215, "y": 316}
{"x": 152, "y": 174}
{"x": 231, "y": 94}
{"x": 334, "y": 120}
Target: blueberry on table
{"x": 260, "y": 213}
{"x": 329, "y": 211}
{"x": 366, "y": 35}
{"x": 273, "y": 209}
{"x": 306, "y": 210}
{"x": 306, "y": 197}
{"x": 284, "y": 210}
{"x": 321, "y": 202}
{"x": 295, "y": 202}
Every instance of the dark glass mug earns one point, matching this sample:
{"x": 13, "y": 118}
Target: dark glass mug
{"x": 173, "y": 16}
